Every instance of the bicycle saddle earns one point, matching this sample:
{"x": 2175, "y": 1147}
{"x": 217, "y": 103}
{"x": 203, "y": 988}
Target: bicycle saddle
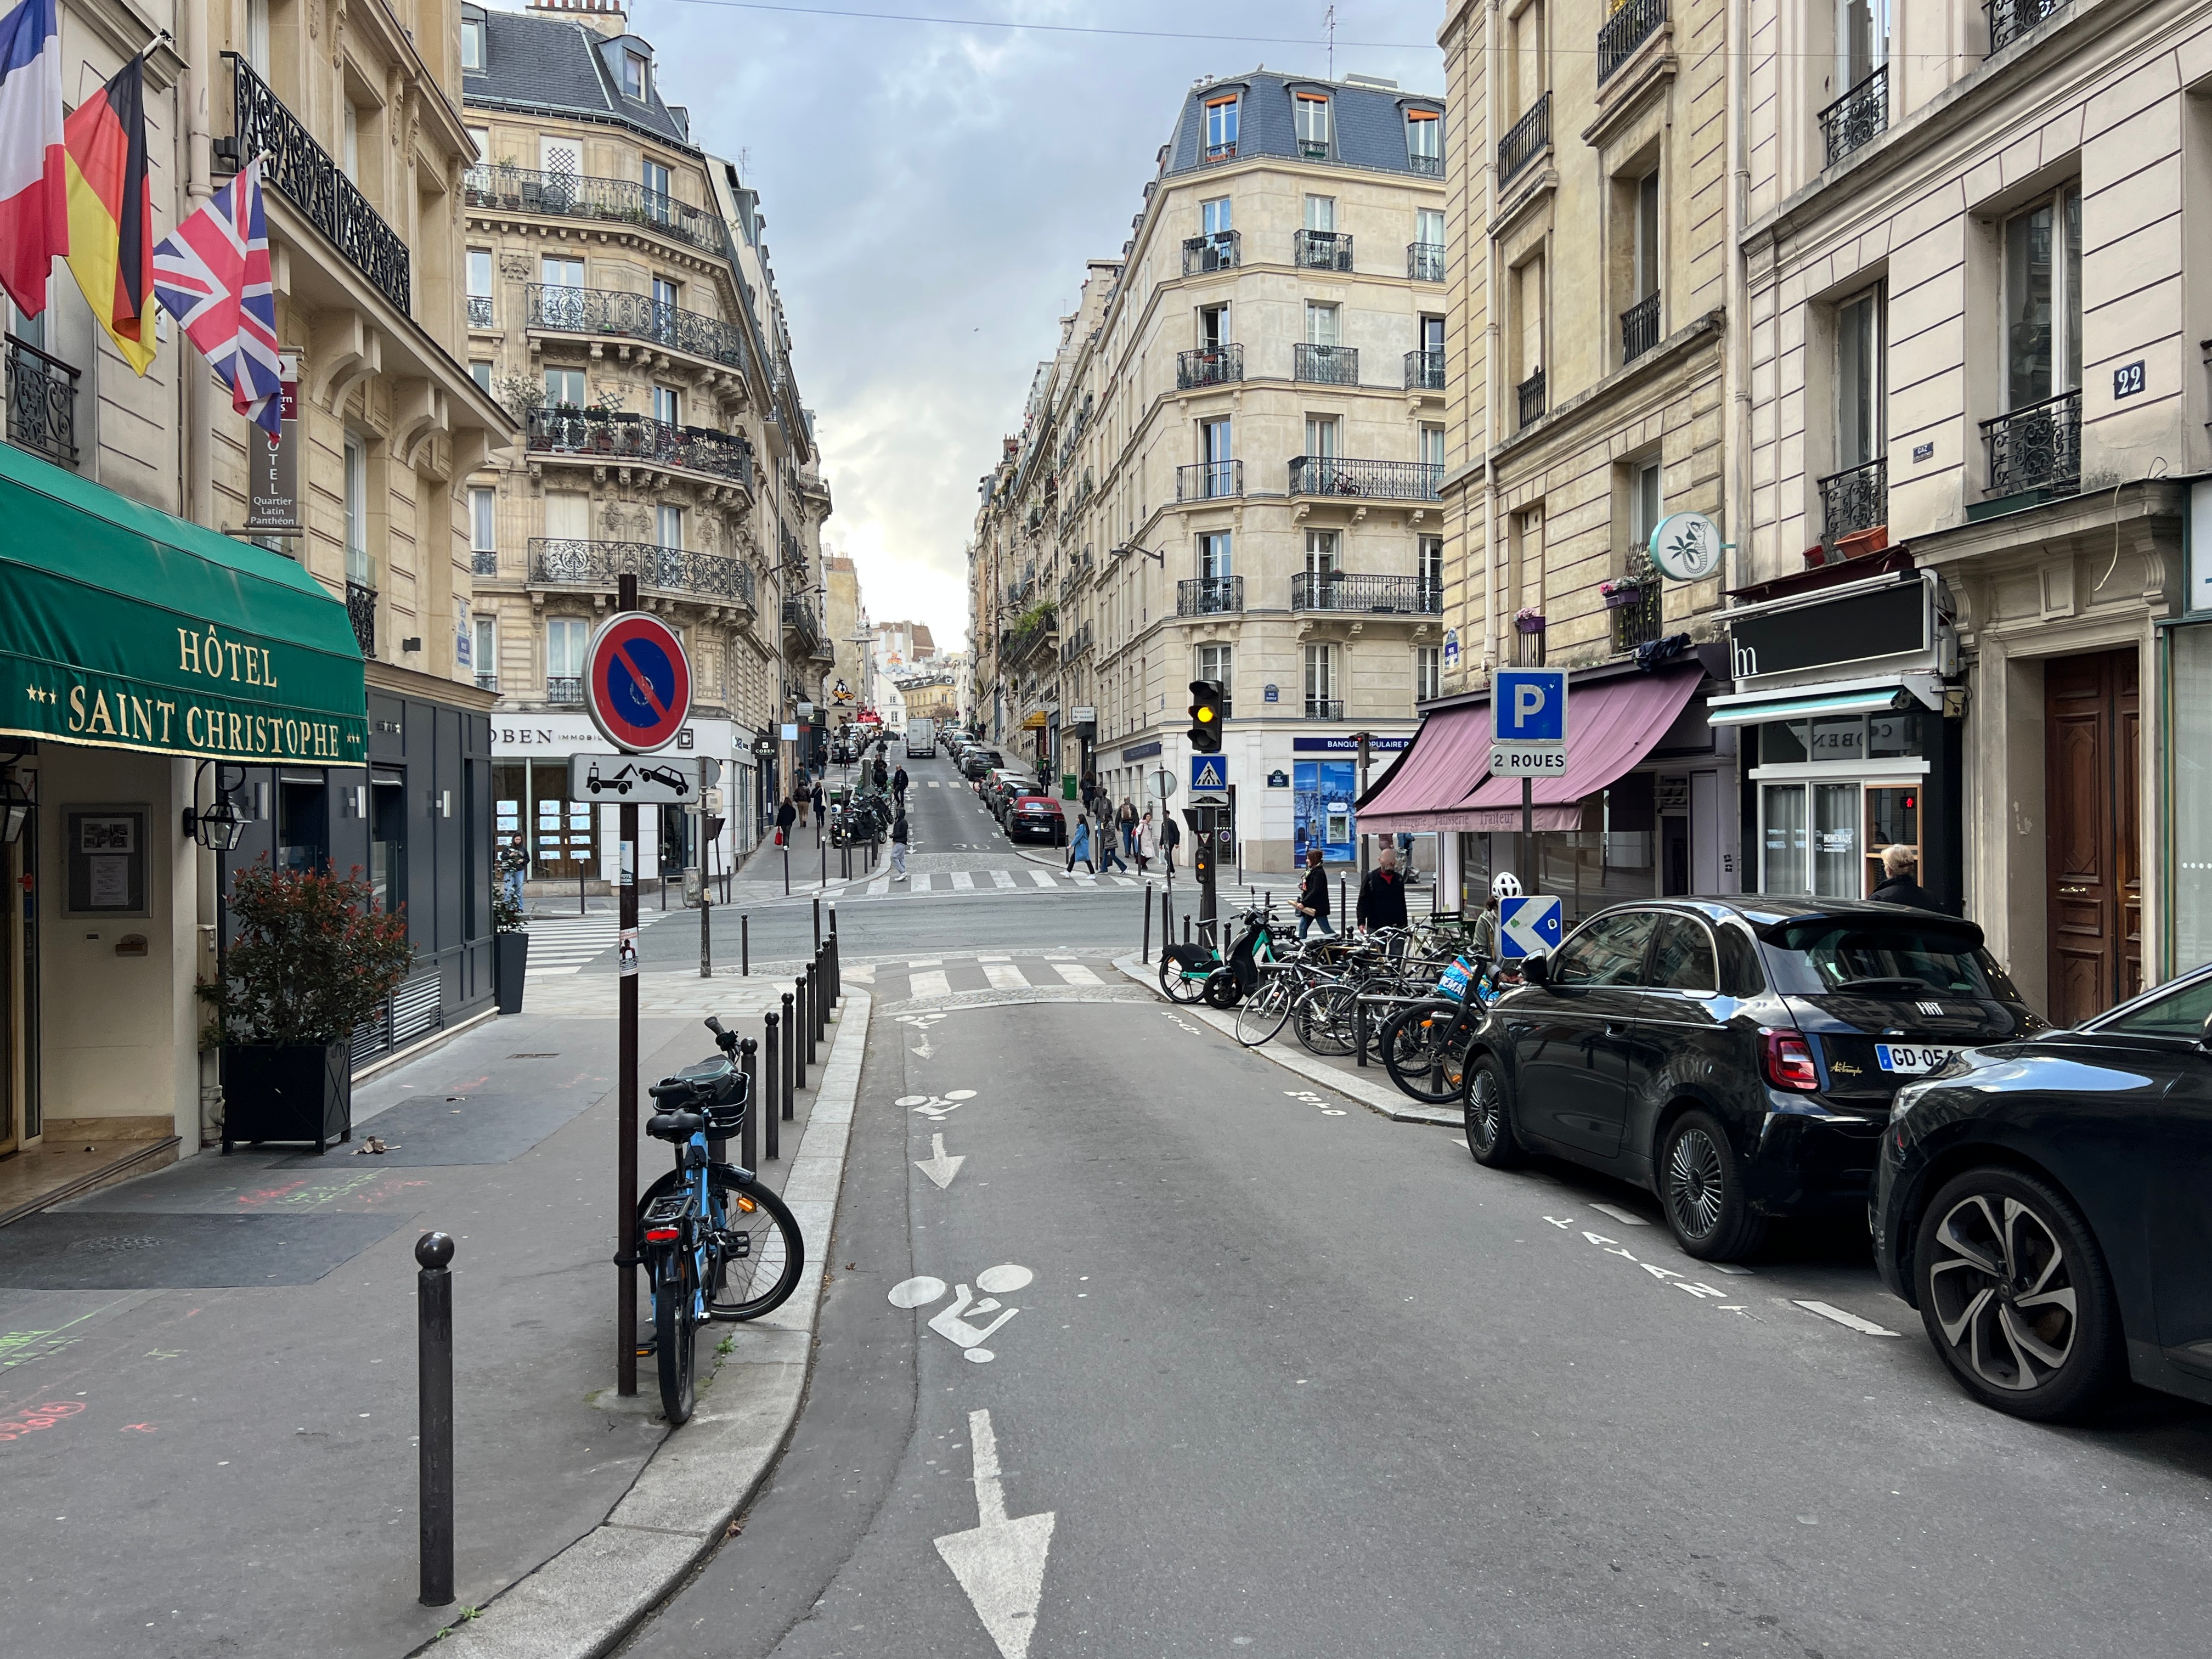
{"x": 674, "y": 1125}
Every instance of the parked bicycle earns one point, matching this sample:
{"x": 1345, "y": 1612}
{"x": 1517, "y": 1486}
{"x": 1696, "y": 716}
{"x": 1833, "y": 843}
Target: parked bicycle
{"x": 1424, "y": 1044}
{"x": 715, "y": 1244}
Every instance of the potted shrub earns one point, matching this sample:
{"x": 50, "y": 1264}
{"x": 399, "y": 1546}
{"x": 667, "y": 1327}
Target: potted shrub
{"x": 510, "y": 936}
{"x": 1528, "y": 620}
{"x": 1621, "y": 595}
{"x": 310, "y": 960}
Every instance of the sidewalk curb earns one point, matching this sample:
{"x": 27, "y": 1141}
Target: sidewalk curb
{"x": 585, "y": 1601}
{"x": 1380, "y": 1098}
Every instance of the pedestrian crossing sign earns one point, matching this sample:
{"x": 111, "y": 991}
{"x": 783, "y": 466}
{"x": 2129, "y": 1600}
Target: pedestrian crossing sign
{"x": 1209, "y": 775}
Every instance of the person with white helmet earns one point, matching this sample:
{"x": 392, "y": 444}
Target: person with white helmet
{"x": 1484, "y": 932}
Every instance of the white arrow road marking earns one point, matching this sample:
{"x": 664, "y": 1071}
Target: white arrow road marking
{"x": 1001, "y": 1564}
{"x": 941, "y": 1166}
{"x": 1848, "y": 1321}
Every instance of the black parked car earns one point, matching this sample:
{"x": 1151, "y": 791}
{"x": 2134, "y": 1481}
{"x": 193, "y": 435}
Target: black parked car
{"x": 1736, "y": 1056}
{"x": 2047, "y": 1206}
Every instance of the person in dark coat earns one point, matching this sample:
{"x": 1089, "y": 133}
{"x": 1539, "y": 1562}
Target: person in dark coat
{"x": 898, "y": 842}
{"x": 1170, "y": 837}
{"x": 1900, "y": 867}
{"x": 1382, "y": 894}
{"x": 1312, "y": 904}
{"x": 786, "y": 815}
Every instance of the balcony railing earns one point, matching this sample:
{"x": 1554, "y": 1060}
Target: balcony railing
{"x": 1326, "y": 365}
{"x": 1529, "y": 138}
{"x": 1216, "y": 153}
{"x": 484, "y": 561}
{"x": 41, "y": 403}
{"x": 2038, "y": 447}
{"x": 361, "y": 612}
{"x": 480, "y": 311}
{"x": 1322, "y": 250}
{"x": 1388, "y": 481}
{"x": 487, "y": 679}
{"x": 1531, "y": 392}
{"x": 1324, "y": 709}
{"x": 592, "y": 434}
{"x": 1639, "y": 621}
{"x": 1372, "y": 596}
{"x": 1222, "y": 251}
{"x": 1639, "y": 328}
{"x": 1206, "y": 596}
{"x": 1856, "y": 499}
{"x": 2010, "y": 19}
{"x": 1630, "y": 25}
{"x": 1212, "y": 366}
{"x": 307, "y": 175}
{"x": 1429, "y": 166}
{"x": 1529, "y": 647}
{"x": 575, "y": 196}
{"x": 1206, "y": 481}
{"x": 1424, "y": 371}
{"x": 612, "y": 312}
{"x": 573, "y": 562}
{"x": 798, "y": 616}
{"x": 1424, "y": 262}
{"x": 1856, "y": 117}
{"x": 564, "y": 689}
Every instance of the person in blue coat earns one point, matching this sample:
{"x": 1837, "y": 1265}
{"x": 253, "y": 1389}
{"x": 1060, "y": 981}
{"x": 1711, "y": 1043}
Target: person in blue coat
{"x": 1080, "y": 848}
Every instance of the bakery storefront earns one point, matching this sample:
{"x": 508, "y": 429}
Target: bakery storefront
{"x": 147, "y": 666}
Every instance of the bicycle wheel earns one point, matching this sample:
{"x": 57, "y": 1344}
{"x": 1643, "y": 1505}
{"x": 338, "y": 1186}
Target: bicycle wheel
{"x": 757, "y": 1256}
{"x": 1423, "y": 1051}
{"x": 1177, "y": 986}
{"x": 675, "y": 1334}
{"x": 1262, "y": 1014}
{"x": 1322, "y": 1018}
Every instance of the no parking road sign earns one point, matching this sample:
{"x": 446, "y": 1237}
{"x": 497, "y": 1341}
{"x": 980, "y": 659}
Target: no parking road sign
{"x": 637, "y": 682}
{"x": 1528, "y": 927}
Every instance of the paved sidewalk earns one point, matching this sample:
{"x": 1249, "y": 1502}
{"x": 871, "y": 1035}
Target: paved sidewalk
{"x": 207, "y": 1377}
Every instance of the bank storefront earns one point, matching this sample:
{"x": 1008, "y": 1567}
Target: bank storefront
{"x": 150, "y": 669}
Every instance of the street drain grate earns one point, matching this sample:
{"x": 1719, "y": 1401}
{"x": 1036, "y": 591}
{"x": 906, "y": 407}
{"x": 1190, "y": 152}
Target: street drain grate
{"x": 115, "y": 1243}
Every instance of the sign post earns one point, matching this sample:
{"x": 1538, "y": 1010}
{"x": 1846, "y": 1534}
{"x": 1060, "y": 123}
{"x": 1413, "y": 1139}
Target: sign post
{"x": 1209, "y": 793}
{"x": 1528, "y": 740}
{"x": 637, "y": 687}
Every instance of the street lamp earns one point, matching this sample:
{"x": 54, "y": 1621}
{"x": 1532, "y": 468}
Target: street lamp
{"x": 1160, "y": 559}
{"x": 221, "y": 826}
{"x": 15, "y": 804}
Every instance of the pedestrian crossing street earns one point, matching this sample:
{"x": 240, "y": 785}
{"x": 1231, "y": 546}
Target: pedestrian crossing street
{"x": 930, "y": 977}
{"x": 1004, "y": 881}
{"x": 564, "y": 944}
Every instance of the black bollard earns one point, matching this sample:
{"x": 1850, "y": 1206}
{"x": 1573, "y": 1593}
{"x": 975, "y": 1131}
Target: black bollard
{"x": 836, "y": 959}
{"x": 1359, "y": 1029}
{"x": 706, "y": 939}
{"x": 803, "y": 1038}
{"x": 771, "y": 1142}
{"x": 1147, "y": 954}
{"x": 771, "y": 1094}
{"x": 433, "y": 1385}
{"x": 745, "y": 946}
{"x": 789, "y": 1054}
{"x": 818, "y": 922}
{"x": 818, "y": 988}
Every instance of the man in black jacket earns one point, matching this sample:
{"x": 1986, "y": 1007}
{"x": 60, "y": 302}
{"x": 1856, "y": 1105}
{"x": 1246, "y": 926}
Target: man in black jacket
{"x": 1382, "y": 894}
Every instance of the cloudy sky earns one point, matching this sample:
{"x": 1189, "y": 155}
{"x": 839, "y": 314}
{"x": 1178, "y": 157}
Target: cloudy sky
{"x": 933, "y": 190}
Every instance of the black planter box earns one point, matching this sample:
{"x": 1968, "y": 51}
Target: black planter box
{"x": 510, "y": 956}
{"x": 287, "y": 1094}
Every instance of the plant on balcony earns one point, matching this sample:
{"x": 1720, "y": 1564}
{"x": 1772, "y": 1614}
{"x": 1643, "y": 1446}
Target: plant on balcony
{"x": 1621, "y": 595}
{"x": 1528, "y": 619}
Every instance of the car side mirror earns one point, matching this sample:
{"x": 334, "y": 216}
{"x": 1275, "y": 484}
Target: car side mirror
{"x": 1537, "y": 970}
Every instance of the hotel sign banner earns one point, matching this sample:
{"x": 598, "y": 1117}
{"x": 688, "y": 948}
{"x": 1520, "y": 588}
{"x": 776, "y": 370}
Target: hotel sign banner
{"x": 272, "y": 505}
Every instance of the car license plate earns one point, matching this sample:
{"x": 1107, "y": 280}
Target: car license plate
{"x": 1906, "y": 1058}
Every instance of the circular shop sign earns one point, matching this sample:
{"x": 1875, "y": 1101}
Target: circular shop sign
{"x": 1686, "y": 546}
{"x": 637, "y": 682}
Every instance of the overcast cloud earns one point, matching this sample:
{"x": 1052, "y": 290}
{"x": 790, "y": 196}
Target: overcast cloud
{"x": 932, "y": 193}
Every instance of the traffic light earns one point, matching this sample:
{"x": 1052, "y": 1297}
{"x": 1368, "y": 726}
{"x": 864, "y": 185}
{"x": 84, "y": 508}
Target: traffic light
{"x": 1207, "y": 697}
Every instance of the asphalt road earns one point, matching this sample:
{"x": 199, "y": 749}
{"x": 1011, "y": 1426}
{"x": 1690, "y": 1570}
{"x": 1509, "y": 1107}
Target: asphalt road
{"x": 1290, "y": 1378}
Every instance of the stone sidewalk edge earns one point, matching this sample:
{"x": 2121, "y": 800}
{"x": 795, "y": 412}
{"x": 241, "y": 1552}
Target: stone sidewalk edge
{"x": 1383, "y": 1097}
{"x": 585, "y": 1601}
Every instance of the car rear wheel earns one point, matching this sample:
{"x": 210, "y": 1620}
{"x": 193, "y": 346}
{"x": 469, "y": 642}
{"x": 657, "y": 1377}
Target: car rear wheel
{"x": 1701, "y": 1188}
{"x": 1490, "y": 1135}
{"x": 2015, "y": 1297}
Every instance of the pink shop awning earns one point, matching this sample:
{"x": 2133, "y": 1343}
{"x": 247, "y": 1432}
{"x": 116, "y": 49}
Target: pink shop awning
{"x": 1443, "y": 783}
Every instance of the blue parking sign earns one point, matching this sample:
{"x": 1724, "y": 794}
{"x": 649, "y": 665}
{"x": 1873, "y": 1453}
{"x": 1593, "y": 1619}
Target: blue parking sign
{"x": 1528, "y": 926}
{"x": 1529, "y": 705}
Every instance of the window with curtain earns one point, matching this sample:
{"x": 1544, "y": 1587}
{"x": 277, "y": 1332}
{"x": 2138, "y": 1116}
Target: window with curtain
{"x": 1213, "y": 664}
{"x": 1321, "y": 213}
{"x": 2043, "y": 299}
{"x": 1213, "y": 216}
{"x": 1859, "y": 380}
{"x": 565, "y": 637}
{"x": 1428, "y": 673}
{"x": 472, "y": 43}
{"x": 1215, "y": 554}
{"x": 485, "y": 652}
{"x": 1424, "y": 140}
{"x": 1321, "y": 551}
{"x": 356, "y": 510}
{"x": 1221, "y": 115}
{"x": 484, "y": 520}
{"x": 1321, "y": 681}
{"x": 1312, "y": 116}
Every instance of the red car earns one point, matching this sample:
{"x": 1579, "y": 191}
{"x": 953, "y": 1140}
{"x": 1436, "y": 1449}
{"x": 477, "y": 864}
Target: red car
{"x": 1035, "y": 815}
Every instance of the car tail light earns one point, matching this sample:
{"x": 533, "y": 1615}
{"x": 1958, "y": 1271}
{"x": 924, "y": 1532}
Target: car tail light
{"x": 1789, "y": 1057}
{"x": 660, "y": 1234}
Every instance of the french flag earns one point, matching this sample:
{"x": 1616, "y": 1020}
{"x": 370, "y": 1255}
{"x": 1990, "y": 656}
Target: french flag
{"x": 33, "y": 180}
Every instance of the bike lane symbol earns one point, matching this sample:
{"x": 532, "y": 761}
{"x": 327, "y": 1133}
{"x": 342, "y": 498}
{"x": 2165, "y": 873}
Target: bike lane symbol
{"x": 952, "y": 1321}
{"x": 934, "y": 1107}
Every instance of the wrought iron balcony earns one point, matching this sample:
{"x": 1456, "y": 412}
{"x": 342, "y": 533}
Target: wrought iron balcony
{"x": 1324, "y": 709}
{"x": 307, "y": 175}
{"x": 1212, "y": 366}
{"x": 1635, "y": 605}
{"x": 361, "y": 612}
{"x": 1206, "y": 481}
{"x": 484, "y": 561}
{"x": 594, "y": 435}
{"x": 1632, "y": 24}
{"x": 1370, "y": 596}
{"x": 1322, "y": 250}
{"x": 480, "y": 311}
{"x": 798, "y": 618}
{"x": 1529, "y": 138}
{"x": 1429, "y": 166}
{"x": 564, "y": 689}
{"x": 575, "y": 196}
{"x": 2038, "y": 447}
{"x": 623, "y": 316}
{"x": 1857, "y": 116}
{"x": 1424, "y": 262}
{"x": 573, "y": 562}
{"x": 1222, "y": 251}
{"x": 1388, "y": 481}
{"x": 1218, "y": 153}
{"x": 41, "y": 403}
{"x": 1531, "y": 392}
{"x": 1207, "y": 596}
{"x": 1529, "y": 647}
{"x": 487, "y": 679}
{"x": 1856, "y": 499}
{"x": 1424, "y": 371}
{"x": 1639, "y": 328}
{"x": 2010, "y": 19}
{"x": 1326, "y": 365}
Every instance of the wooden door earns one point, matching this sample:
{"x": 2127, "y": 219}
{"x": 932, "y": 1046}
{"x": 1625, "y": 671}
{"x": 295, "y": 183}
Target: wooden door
{"x": 2092, "y": 711}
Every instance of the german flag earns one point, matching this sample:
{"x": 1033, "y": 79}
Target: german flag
{"x": 111, "y": 211}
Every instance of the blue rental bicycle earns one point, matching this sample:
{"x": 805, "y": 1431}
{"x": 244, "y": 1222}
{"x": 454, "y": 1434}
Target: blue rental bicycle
{"x": 715, "y": 1244}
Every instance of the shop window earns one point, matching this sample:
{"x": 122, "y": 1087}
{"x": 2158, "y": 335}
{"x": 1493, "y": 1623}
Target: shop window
{"x": 388, "y": 841}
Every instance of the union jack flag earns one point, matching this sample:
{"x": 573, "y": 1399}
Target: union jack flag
{"x": 212, "y": 275}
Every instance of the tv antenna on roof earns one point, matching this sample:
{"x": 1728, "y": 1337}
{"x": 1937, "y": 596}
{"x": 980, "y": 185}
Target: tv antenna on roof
{"x": 1328, "y": 23}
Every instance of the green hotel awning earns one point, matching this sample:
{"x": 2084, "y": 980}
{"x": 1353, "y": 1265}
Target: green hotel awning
{"x": 123, "y": 627}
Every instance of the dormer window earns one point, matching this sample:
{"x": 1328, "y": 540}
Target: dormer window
{"x": 472, "y": 43}
{"x": 1313, "y": 126}
{"x": 1424, "y": 148}
{"x": 1221, "y": 128}
{"x": 634, "y": 72}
